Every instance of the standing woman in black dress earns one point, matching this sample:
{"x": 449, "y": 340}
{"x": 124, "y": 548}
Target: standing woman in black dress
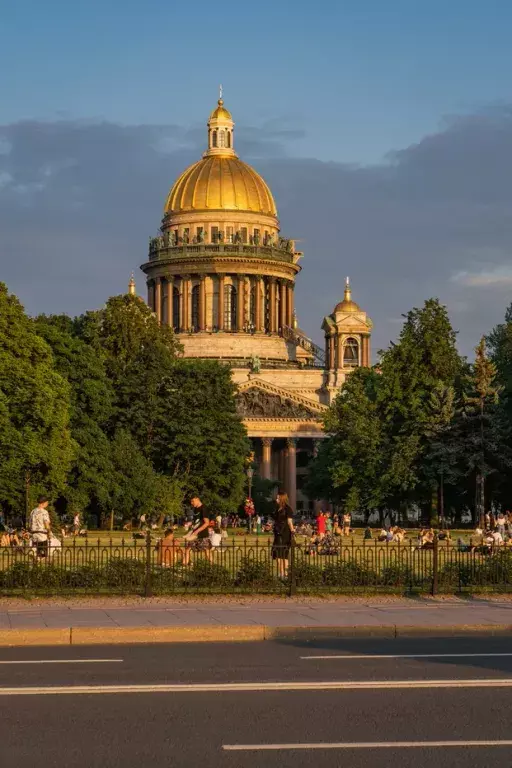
{"x": 283, "y": 531}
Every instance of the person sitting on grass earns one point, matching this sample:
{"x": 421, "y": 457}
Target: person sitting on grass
{"x": 444, "y": 535}
{"x": 329, "y": 545}
{"x": 398, "y": 534}
{"x": 476, "y": 540}
{"x": 169, "y": 551}
{"x": 427, "y": 538}
{"x": 383, "y": 535}
{"x": 311, "y": 545}
{"x": 367, "y": 535}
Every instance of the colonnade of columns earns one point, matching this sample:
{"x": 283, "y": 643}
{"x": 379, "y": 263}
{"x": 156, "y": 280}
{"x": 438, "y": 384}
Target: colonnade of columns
{"x": 199, "y": 302}
{"x": 287, "y": 467}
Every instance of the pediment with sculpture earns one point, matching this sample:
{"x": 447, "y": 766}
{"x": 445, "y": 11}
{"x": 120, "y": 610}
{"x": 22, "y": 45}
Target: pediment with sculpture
{"x": 255, "y": 402}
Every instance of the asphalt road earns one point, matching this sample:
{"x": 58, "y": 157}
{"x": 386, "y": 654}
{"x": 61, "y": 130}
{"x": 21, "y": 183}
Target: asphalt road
{"x": 109, "y": 711}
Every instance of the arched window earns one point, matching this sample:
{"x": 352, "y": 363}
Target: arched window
{"x": 176, "y": 308}
{"x": 230, "y": 308}
{"x": 214, "y": 139}
{"x": 195, "y": 307}
{"x": 222, "y": 138}
{"x": 229, "y": 139}
{"x": 351, "y": 352}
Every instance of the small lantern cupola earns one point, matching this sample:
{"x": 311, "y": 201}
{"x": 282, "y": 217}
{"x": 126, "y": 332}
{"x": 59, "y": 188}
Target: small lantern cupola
{"x": 220, "y": 130}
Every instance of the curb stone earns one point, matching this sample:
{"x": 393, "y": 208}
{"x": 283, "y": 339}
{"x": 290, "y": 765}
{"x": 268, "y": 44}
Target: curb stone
{"x": 233, "y": 633}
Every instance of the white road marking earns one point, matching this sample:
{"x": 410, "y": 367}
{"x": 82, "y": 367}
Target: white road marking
{"x": 65, "y": 661}
{"x": 254, "y": 687}
{"x": 348, "y": 657}
{"x": 366, "y": 745}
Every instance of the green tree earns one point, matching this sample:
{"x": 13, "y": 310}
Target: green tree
{"x": 198, "y": 435}
{"x": 424, "y": 358}
{"x": 499, "y": 343}
{"x": 484, "y": 433}
{"x": 139, "y": 354}
{"x": 37, "y": 448}
{"x": 442, "y": 450}
{"x": 355, "y": 449}
{"x": 90, "y": 480}
{"x": 138, "y": 488}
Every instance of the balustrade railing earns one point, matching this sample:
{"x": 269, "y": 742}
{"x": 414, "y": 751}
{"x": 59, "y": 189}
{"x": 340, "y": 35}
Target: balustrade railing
{"x": 161, "y": 250}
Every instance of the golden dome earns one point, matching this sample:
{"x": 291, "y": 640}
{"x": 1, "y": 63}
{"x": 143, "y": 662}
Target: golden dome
{"x": 347, "y": 305}
{"x": 220, "y": 112}
{"x": 220, "y": 182}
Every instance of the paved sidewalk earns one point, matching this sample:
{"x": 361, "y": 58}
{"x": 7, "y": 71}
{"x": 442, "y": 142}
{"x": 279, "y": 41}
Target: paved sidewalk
{"x": 384, "y": 612}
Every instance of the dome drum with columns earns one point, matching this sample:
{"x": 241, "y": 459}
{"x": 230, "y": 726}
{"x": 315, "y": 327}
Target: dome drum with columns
{"x": 221, "y": 274}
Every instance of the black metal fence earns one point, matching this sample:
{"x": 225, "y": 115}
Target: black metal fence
{"x": 146, "y": 567}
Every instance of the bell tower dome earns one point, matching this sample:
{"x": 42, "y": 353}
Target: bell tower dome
{"x": 347, "y": 339}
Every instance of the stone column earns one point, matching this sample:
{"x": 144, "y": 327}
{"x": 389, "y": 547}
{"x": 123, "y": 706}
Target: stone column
{"x": 266, "y": 457}
{"x": 332, "y": 353}
{"x": 282, "y": 306}
{"x": 202, "y": 303}
{"x": 170, "y": 300}
{"x": 158, "y": 298}
{"x": 292, "y": 472}
{"x": 289, "y": 305}
{"x": 220, "y": 319}
{"x": 258, "y": 320}
{"x": 273, "y": 308}
{"x": 240, "y": 314}
{"x": 185, "y": 282}
{"x": 283, "y": 466}
{"x": 339, "y": 351}
{"x": 365, "y": 351}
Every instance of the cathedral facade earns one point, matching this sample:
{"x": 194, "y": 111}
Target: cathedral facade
{"x": 222, "y": 275}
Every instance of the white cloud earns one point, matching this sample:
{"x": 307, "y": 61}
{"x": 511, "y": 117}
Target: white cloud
{"x": 496, "y": 277}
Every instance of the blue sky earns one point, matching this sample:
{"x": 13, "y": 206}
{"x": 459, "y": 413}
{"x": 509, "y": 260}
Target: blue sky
{"x": 384, "y": 128}
{"x": 359, "y": 77}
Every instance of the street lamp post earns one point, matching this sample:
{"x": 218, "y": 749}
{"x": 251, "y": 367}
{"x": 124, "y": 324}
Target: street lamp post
{"x": 250, "y": 475}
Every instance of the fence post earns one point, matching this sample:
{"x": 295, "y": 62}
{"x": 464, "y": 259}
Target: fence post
{"x": 291, "y": 571}
{"x": 148, "y": 592}
{"x": 435, "y": 566}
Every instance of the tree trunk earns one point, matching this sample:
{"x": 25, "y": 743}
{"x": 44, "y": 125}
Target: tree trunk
{"x": 480, "y": 476}
{"x": 111, "y": 519}
{"x": 440, "y": 500}
{"x": 27, "y": 497}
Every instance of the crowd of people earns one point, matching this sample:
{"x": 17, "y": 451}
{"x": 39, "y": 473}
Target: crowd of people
{"x": 206, "y": 532}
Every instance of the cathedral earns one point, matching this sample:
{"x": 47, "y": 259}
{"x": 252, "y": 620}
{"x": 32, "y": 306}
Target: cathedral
{"x": 222, "y": 275}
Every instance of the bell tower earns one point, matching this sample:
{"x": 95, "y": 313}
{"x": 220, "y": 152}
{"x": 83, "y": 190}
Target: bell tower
{"x": 347, "y": 339}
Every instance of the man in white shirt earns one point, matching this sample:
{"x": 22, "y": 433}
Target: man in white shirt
{"x": 39, "y": 525}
